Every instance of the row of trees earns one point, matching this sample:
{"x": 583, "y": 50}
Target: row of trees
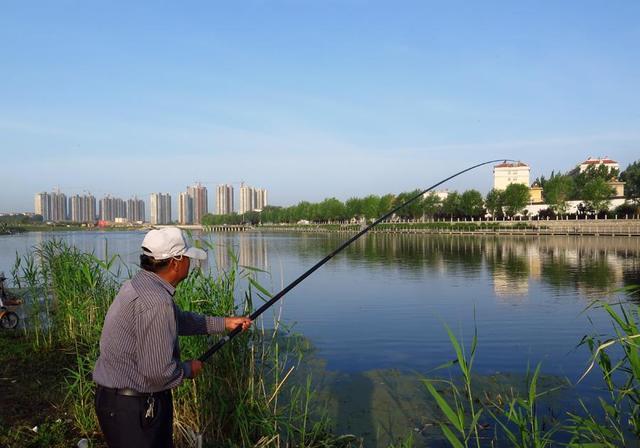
{"x": 590, "y": 186}
{"x": 20, "y": 219}
{"x": 469, "y": 204}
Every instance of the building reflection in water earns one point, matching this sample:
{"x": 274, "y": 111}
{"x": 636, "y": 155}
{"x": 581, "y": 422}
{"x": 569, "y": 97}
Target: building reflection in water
{"x": 592, "y": 265}
{"x": 251, "y": 250}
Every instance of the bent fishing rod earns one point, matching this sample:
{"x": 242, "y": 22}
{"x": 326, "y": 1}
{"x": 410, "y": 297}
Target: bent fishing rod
{"x": 218, "y": 345}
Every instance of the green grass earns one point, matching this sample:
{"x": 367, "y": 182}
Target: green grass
{"x": 518, "y": 420}
{"x": 33, "y": 394}
{"x": 242, "y": 398}
{"x": 246, "y": 396}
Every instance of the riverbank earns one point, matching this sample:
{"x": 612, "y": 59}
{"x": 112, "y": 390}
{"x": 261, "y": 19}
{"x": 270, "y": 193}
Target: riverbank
{"x": 581, "y": 227}
{"x": 10, "y": 230}
{"x": 361, "y": 383}
{"x": 251, "y": 373}
{"x": 35, "y": 411}
{"x": 603, "y": 227}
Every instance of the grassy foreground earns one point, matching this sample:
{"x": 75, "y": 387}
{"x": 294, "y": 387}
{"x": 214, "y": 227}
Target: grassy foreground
{"x": 519, "y": 420}
{"x": 246, "y": 397}
{"x": 241, "y": 399}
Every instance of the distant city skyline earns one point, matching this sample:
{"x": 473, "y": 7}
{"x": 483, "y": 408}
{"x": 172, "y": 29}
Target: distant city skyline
{"x": 309, "y": 99}
{"x": 193, "y": 203}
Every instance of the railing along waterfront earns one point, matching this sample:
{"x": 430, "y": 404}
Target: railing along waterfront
{"x": 579, "y": 228}
{"x": 228, "y": 228}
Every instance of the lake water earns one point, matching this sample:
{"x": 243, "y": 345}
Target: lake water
{"x": 381, "y": 305}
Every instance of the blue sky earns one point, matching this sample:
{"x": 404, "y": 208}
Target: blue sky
{"x": 308, "y": 99}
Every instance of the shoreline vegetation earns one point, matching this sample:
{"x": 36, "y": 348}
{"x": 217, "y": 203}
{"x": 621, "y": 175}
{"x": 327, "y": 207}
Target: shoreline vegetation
{"x": 241, "y": 399}
{"x": 627, "y": 227}
{"x": 257, "y": 392}
{"x": 572, "y": 196}
{"x": 593, "y": 226}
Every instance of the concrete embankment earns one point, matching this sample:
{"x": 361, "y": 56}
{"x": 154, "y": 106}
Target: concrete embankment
{"x": 605, "y": 227}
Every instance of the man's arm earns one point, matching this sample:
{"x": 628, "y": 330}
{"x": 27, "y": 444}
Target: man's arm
{"x": 190, "y": 324}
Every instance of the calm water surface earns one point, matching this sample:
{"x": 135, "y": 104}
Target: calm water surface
{"x": 382, "y": 304}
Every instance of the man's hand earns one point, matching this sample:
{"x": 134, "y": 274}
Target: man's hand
{"x": 230, "y": 323}
{"x": 196, "y": 367}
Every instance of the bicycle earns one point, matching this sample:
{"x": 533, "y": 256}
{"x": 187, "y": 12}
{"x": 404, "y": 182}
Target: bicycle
{"x": 8, "y": 319}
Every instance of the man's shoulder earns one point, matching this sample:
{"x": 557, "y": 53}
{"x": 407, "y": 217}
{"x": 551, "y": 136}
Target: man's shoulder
{"x": 127, "y": 292}
{"x": 148, "y": 293}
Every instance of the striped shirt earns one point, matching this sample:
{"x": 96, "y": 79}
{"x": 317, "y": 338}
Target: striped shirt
{"x": 139, "y": 344}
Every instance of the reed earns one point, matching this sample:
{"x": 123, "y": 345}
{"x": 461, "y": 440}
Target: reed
{"x": 463, "y": 415}
{"x": 518, "y": 420}
{"x": 618, "y": 361}
{"x": 242, "y": 398}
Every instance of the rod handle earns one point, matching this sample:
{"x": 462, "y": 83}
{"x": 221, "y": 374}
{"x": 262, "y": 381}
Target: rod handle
{"x": 218, "y": 345}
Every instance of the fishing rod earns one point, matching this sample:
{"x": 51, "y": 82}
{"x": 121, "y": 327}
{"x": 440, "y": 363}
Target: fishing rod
{"x": 218, "y": 345}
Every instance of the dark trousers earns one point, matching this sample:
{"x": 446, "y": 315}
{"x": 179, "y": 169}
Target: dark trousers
{"x": 124, "y": 421}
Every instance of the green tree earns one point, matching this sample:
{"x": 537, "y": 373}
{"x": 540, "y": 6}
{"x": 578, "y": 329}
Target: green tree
{"x": 385, "y": 204}
{"x": 451, "y": 205}
{"x": 431, "y": 205}
{"x": 592, "y": 172}
{"x": 471, "y": 203}
{"x": 370, "y": 207}
{"x": 494, "y": 203}
{"x": 303, "y": 210}
{"x": 412, "y": 210}
{"x": 596, "y": 195}
{"x": 216, "y": 220}
{"x": 331, "y": 209}
{"x": 353, "y": 207}
{"x": 272, "y": 214}
{"x": 515, "y": 198}
{"x": 632, "y": 178}
{"x": 557, "y": 191}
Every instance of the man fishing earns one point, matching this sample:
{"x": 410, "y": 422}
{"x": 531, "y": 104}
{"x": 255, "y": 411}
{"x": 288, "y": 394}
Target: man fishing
{"x": 139, "y": 362}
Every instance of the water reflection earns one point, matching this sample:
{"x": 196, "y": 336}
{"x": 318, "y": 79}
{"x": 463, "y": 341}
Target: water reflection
{"x": 249, "y": 248}
{"x": 592, "y": 265}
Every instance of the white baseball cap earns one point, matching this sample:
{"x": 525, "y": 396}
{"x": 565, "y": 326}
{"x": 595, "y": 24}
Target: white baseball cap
{"x": 169, "y": 242}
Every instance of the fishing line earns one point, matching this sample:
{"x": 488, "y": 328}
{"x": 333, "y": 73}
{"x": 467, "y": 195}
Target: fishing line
{"x": 218, "y": 345}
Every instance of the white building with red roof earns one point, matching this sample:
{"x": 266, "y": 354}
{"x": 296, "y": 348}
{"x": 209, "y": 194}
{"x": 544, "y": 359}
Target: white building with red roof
{"x": 510, "y": 173}
{"x": 595, "y": 162}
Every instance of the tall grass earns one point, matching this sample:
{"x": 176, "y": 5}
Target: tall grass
{"x": 518, "y": 421}
{"x": 618, "y": 360}
{"x": 242, "y": 397}
{"x": 463, "y": 414}
{"x": 69, "y": 294}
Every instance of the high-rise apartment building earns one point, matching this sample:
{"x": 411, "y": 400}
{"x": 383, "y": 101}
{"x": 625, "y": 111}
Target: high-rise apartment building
{"x": 76, "y": 208}
{"x": 88, "y": 208}
{"x": 135, "y": 210}
{"x": 260, "y": 201}
{"x": 58, "y": 206}
{"x": 112, "y": 208}
{"x": 160, "y": 208}
{"x": 252, "y": 199}
{"x": 224, "y": 200}
{"x": 246, "y": 198}
{"x": 42, "y": 206}
{"x": 198, "y": 194}
{"x": 185, "y": 208}
{"x": 82, "y": 208}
